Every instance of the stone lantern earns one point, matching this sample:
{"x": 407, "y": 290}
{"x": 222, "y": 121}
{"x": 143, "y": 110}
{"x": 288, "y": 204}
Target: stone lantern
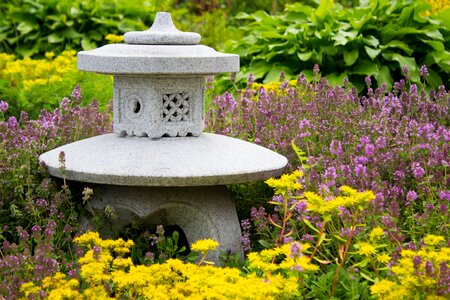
{"x": 158, "y": 167}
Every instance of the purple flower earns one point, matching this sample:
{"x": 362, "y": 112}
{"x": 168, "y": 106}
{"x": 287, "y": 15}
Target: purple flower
{"x": 250, "y": 79}
{"x": 411, "y": 196}
{"x": 336, "y": 147}
{"x": 369, "y": 149}
{"x": 444, "y": 195}
{"x": 405, "y": 71}
{"x": 150, "y": 256}
{"x": 417, "y": 170}
{"x": 417, "y": 261}
{"x": 36, "y": 231}
{"x": 245, "y": 238}
{"x": 424, "y": 71}
{"x": 429, "y": 268}
{"x": 12, "y": 122}
{"x": 316, "y": 69}
{"x": 368, "y": 81}
{"x": 3, "y": 106}
{"x": 76, "y": 92}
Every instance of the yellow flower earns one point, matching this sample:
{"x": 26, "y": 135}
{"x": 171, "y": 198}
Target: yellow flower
{"x": 376, "y": 233}
{"x": 204, "y": 246}
{"x": 383, "y": 258}
{"x": 49, "y": 55}
{"x": 365, "y": 249}
{"x": 432, "y": 240}
{"x": 287, "y": 182}
{"x": 382, "y": 287}
{"x": 114, "y": 38}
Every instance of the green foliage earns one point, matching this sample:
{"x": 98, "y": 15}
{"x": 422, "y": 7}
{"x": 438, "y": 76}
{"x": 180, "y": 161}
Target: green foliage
{"x": 31, "y": 27}
{"x": 376, "y": 38}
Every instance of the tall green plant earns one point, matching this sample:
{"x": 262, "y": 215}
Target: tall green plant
{"x": 376, "y": 38}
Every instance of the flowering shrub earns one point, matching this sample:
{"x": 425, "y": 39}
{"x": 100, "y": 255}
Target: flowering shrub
{"x": 419, "y": 274}
{"x": 38, "y": 216}
{"x": 105, "y": 272}
{"x": 34, "y": 84}
{"x": 393, "y": 142}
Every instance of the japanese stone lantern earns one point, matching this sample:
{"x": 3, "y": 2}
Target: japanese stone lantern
{"x": 158, "y": 167}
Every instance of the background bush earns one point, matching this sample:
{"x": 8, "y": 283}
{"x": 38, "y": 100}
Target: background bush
{"x": 375, "y": 38}
{"x": 34, "y": 27}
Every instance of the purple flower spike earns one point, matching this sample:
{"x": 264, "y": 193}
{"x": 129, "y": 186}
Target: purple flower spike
{"x": 424, "y": 71}
{"x": 3, "y": 106}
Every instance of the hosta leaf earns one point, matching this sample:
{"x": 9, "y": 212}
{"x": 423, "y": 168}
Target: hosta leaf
{"x": 305, "y": 56}
{"x": 87, "y": 44}
{"x": 274, "y": 73}
{"x": 370, "y": 40}
{"x": 384, "y": 75}
{"x": 364, "y": 67}
{"x": 55, "y": 38}
{"x": 350, "y": 57}
{"x": 406, "y": 15}
{"x": 434, "y": 34}
{"x": 373, "y": 53}
{"x": 436, "y": 45}
{"x": 336, "y": 79}
{"x": 410, "y": 62}
{"x": 324, "y": 7}
{"x": 398, "y": 44}
{"x": 259, "y": 69}
{"x": 433, "y": 78}
{"x": 25, "y": 27}
{"x": 343, "y": 37}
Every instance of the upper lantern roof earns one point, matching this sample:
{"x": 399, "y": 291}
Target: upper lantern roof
{"x": 162, "y": 49}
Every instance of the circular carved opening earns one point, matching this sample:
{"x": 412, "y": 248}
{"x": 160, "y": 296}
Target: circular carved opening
{"x": 136, "y": 107}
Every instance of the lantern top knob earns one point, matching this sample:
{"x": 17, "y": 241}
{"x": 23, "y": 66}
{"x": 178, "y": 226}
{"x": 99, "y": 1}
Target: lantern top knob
{"x": 162, "y": 32}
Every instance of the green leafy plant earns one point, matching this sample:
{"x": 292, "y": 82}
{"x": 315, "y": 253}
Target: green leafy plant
{"x": 376, "y": 38}
{"x": 31, "y": 27}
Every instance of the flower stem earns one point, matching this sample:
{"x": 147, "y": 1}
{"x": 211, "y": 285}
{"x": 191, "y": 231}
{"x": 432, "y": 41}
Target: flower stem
{"x": 347, "y": 246}
{"x": 322, "y": 229}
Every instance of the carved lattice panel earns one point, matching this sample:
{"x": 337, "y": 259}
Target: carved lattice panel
{"x": 175, "y": 107}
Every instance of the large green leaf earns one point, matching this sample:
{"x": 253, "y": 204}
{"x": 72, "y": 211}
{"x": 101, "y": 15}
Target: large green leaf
{"x": 324, "y": 8}
{"x": 436, "y": 45}
{"x": 373, "y": 53}
{"x": 305, "y": 56}
{"x": 365, "y": 67}
{"x": 384, "y": 75}
{"x": 398, "y": 44}
{"x": 410, "y": 62}
{"x": 336, "y": 79}
{"x": 370, "y": 40}
{"x": 350, "y": 56}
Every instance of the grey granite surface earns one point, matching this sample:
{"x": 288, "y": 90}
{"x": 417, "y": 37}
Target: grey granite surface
{"x": 208, "y": 159}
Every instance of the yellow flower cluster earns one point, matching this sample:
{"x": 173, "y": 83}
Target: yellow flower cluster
{"x": 286, "y": 261}
{"x": 410, "y": 274}
{"x": 350, "y": 198}
{"x": 366, "y": 249}
{"x": 204, "y": 246}
{"x": 114, "y": 38}
{"x": 30, "y": 72}
{"x": 272, "y": 86}
{"x": 437, "y": 6}
{"x": 286, "y": 183}
{"x": 104, "y": 274}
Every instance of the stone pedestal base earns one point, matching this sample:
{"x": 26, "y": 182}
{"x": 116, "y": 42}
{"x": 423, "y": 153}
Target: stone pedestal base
{"x": 202, "y": 212}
